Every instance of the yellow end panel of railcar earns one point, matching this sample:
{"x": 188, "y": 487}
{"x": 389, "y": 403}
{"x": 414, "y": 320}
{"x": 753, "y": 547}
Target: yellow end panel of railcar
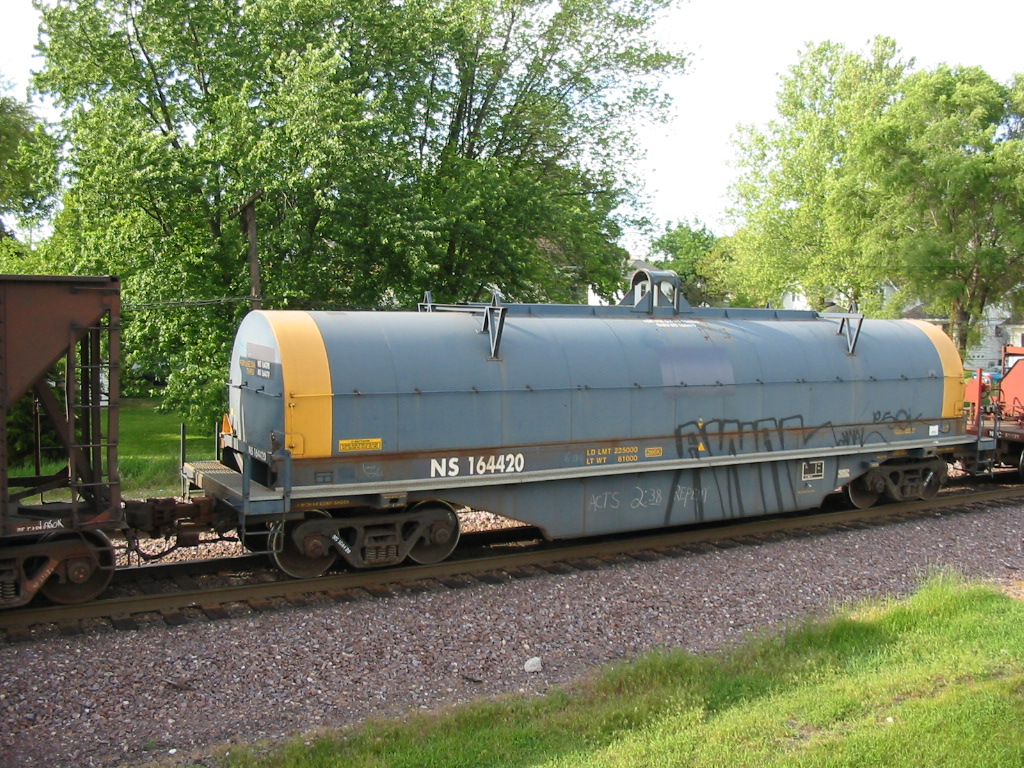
{"x": 952, "y": 369}
{"x": 306, "y": 379}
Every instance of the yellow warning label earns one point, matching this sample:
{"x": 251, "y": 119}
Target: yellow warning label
{"x": 700, "y": 447}
{"x": 364, "y": 444}
{"x": 653, "y": 453}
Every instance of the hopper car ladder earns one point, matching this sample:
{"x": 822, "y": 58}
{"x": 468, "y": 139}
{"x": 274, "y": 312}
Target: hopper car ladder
{"x": 91, "y": 422}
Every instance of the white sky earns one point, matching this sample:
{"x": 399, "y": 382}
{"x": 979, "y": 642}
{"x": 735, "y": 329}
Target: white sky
{"x": 740, "y": 49}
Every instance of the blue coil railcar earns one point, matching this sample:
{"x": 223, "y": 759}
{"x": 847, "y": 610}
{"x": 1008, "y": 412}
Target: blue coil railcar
{"x": 367, "y": 431}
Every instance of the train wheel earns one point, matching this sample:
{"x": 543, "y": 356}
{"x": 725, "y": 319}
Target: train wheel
{"x": 81, "y": 579}
{"x": 292, "y": 560}
{"x": 858, "y": 496}
{"x": 440, "y": 534}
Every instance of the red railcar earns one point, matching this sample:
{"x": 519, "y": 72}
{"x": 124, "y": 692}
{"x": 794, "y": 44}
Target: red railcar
{"x": 59, "y": 344}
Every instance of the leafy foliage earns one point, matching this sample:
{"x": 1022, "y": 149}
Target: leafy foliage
{"x": 27, "y": 162}
{"x": 949, "y": 177}
{"x": 802, "y": 203}
{"x": 690, "y": 250}
{"x": 23, "y": 422}
{"x": 451, "y": 145}
{"x": 877, "y": 175}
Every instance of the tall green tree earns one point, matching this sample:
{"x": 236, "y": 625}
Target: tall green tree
{"x": 946, "y": 164}
{"x": 689, "y": 250}
{"x": 801, "y": 202}
{"x": 875, "y": 174}
{"x": 27, "y": 162}
{"x": 453, "y": 145}
{"x": 533, "y": 131}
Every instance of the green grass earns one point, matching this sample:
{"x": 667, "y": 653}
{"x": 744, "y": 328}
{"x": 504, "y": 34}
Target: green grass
{"x": 937, "y": 680}
{"x": 149, "y": 451}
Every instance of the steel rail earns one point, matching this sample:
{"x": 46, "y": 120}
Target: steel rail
{"x": 346, "y": 585}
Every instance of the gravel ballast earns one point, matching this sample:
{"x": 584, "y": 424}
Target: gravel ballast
{"x": 127, "y": 698}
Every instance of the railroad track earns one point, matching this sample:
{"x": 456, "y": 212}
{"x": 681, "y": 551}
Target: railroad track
{"x": 188, "y": 602}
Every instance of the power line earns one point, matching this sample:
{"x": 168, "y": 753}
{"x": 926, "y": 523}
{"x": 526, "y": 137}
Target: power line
{"x": 183, "y": 303}
{"x": 281, "y": 303}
